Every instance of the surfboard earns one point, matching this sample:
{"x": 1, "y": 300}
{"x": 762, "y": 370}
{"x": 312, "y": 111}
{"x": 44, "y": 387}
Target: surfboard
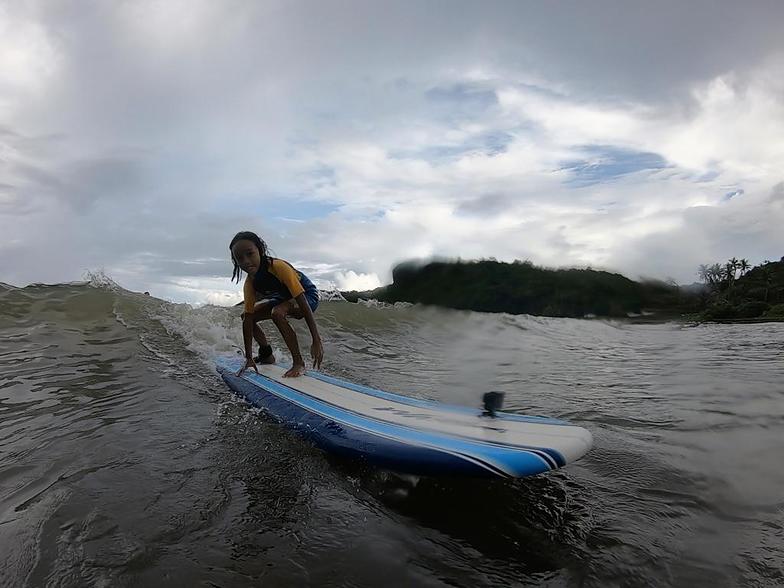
{"x": 405, "y": 434}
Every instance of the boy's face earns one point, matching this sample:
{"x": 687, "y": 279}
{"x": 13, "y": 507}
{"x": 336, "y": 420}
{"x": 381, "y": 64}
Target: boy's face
{"x": 246, "y": 254}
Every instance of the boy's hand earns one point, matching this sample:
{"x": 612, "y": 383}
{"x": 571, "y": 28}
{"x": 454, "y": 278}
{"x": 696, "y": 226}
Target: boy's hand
{"x": 249, "y": 363}
{"x": 317, "y": 353}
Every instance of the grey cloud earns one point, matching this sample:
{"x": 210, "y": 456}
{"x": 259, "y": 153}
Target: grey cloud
{"x": 38, "y": 177}
{"x": 708, "y": 234}
{"x": 777, "y": 193}
{"x": 492, "y": 204}
{"x": 103, "y": 180}
{"x": 187, "y": 268}
{"x": 602, "y": 48}
{"x": 11, "y": 202}
{"x": 155, "y": 137}
{"x": 80, "y": 183}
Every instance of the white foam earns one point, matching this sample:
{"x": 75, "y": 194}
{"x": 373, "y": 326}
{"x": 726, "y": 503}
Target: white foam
{"x": 99, "y": 279}
{"x": 373, "y": 303}
{"x": 331, "y": 296}
{"x": 208, "y": 330}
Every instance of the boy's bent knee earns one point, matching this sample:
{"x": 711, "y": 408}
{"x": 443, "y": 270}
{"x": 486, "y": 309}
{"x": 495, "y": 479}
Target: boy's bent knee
{"x": 279, "y": 313}
{"x": 254, "y": 316}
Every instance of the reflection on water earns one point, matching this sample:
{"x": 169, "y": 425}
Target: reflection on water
{"x": 125, "y": 460}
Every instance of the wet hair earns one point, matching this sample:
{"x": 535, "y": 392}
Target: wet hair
{"x": 258, "y": 242}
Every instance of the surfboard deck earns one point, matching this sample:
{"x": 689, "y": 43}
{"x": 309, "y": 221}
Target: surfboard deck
{"x": 407, "y": 434}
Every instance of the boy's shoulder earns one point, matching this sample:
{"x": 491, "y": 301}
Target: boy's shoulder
{"x": 277, "y": 263}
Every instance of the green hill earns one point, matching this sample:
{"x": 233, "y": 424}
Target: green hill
{"x": 523, "y": 288}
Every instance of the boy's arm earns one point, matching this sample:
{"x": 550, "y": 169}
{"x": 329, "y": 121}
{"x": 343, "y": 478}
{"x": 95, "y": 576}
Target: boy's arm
{"x": 316, "y": 349}
{"x": 247, "y": 335}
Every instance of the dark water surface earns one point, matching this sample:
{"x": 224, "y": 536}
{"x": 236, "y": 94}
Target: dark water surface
{"x": 125, "y": 461}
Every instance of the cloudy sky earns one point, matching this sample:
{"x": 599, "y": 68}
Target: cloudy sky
{"x": 137, "y": 137}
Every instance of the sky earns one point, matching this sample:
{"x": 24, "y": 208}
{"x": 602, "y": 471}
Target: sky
{"x": 137, "y": 137}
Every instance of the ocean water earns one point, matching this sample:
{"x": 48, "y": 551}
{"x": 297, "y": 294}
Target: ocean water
{"x": 125, "y": 460}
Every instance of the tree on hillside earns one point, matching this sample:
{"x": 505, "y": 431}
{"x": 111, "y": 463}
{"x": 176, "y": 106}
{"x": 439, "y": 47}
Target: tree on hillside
{"x": 767, "y": 277}
{"x": 729, "y": 271}
{"x": 717, "y": 275}
{"x": 704, "y": 273}
{"x": 734, "y": 264}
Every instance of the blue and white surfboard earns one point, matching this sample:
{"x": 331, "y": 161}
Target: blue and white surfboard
{"x": 406, "y": 434}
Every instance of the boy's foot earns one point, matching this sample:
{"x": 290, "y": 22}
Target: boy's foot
{"x": 296, "y": 370}
{"x": 265, "y": 355}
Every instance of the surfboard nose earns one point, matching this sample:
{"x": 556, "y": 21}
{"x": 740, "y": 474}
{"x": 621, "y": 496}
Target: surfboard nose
{"x": 576, "y": 444}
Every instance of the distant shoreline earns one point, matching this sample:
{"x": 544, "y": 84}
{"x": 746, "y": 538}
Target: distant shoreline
{"x": 744, "y": 321}
{"x": 756, "y": 296}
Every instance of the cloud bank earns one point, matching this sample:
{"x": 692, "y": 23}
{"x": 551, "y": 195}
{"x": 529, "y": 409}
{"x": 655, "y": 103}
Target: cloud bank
{"x": 139, "y": 137}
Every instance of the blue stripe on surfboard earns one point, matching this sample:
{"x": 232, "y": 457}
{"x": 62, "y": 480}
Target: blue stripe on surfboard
{"x": 510, "y": 460}
{"x": 560, "y": 460}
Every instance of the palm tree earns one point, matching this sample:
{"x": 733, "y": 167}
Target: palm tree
{"x": 744, "y": 266}
{"x": 733, "y": 263}
{"x": 704, "y": 273}
{"x": 729, "y": 273}
{"x": 716, "y": 275}
{"x": 767, "y": 275}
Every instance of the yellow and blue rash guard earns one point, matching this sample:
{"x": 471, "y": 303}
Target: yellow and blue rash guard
{"x": 277, "y": 283}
